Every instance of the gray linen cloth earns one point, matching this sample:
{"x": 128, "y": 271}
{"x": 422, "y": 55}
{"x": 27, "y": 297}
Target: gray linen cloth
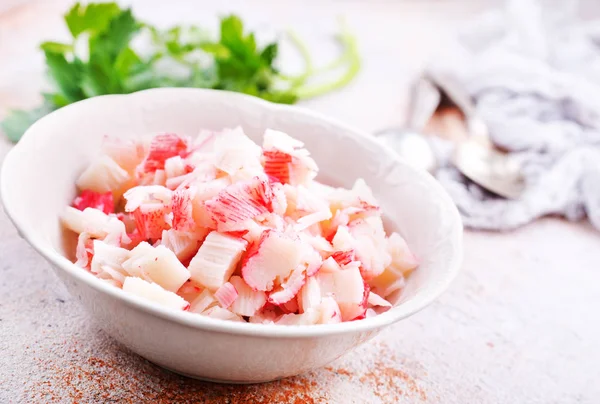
{"x": 534, "y": 73}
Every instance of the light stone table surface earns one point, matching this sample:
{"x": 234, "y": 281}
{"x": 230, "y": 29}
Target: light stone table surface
{"x": 519, "y": 324}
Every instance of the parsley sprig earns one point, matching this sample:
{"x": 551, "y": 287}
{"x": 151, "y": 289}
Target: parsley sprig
{"x": 104, "y": 57}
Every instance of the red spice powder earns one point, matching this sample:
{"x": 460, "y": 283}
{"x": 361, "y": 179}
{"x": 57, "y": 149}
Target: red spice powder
{"x": 106, "y": 380}
{"x": 74, "y": 372}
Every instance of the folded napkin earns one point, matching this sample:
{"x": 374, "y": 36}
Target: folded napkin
{"x": 534, "y": 74}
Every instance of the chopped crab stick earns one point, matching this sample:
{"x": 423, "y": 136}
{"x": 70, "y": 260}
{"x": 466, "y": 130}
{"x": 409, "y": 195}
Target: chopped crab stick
{"x": 153, "y": 292}
{"x": 241, "y": 231}
{"x": 216, "y": 260}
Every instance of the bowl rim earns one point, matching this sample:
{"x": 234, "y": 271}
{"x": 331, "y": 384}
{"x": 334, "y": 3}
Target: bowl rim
{"x": 206, "y": 323}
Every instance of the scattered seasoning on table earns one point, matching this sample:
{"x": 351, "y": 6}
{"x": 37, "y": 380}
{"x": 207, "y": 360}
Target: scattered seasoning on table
{"x": 101, "y": 370}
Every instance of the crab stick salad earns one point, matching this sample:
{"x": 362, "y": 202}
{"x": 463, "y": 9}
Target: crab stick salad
{"x": 225, "y": 228}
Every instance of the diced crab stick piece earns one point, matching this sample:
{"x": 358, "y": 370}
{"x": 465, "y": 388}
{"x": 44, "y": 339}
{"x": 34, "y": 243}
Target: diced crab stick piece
{"x": 203, "y": 301}
{"x": 194, "y": 175}
{"x": 154, "y": 292}
{"x": 108, "y": 272}
{"x": 103, "y": 175}
{"x": 279, "y": 199}
{"x": 174, "y": 167}
{"x": 309, "y": 202}
{"x": 254, "y": 232}
{"x": 319, "y": 243}
{"x": 272, "y": 221}
{"x": 310, "y": 295}
{"x": 222, "y": 314}
{"x": 343, "y": 257}
{"x": 307, "y": 318}
{"x": 326, "y": 282}
{"x": 313, "y": 218}
{"x": 96, "y": 223}
{"x": 330, "y": 227}
{"x": 286, "y": 159}
{"x": 126, "y": 153}
{"x": 375, "y": 300}
{"x": 137, "y": 196}
{"x": 350, "y": 292}
{"x": 190, "y": 290}
{"x": 343, "y": 240}
{"x": 274, "y": 139}
{"x": 157, "y": 177}
{"x": 248, "y": 301}
{"x": 139, "y": 252}
{"x": 289, "y": 288}
{"x": 163, "y": 147}
{"x": 234, "y": 206}
{"x": 182, "y": 208}
{"x": 202, "y": 158}
{"x": 158, "y": 264}
{"x": 388, "y": 282}
{"x": 370, "y": 246}
{"x": 84, "y": 251}
{"x": 359, "y": 197}
{"x": 109, "y": 258}
{"x": 234, "y": 152}
{"x": 151, "y": 219}
{"x": 330, "y": 265}
{"x": 277, "y": 165}
{"x": 313, "y": 263}
{"x": 329, "y": 311}
{"x": 96, "y": 200}
{"x": 183, "y": 244}
{"x": 226, "y": 295}
{"x": 402, "y": 258}
{"x": 364, "y": 194}
{"x": 216, "y": 260}
{"x": 272, "y": 258}
{"x": 204, "y": 192}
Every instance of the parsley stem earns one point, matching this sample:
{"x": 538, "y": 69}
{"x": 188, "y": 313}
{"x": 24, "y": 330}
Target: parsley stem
{"x": 350, "y": 57}
{"x": 298, "y": 80}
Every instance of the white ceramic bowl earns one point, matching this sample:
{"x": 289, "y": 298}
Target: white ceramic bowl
{"x": 38, "y": 179}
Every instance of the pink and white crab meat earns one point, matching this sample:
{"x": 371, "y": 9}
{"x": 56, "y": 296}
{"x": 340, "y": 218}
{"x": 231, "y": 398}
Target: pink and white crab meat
{"x": 163, "y": 147}
{"x": 274, "y": 257}
{"x": 90, "y": 199}
{"x": 231, "y": 230}
{"x": 95, "y": 223}
{"x": 103, "y": 175}
{"x": 152, "y": 291}
{"x": 205, "y": 300}
{"x": 184, "y": 244}
{"x": 107, "y": 261}
{"x": 157, "y": 264}
{"x": 216, "y": 260}
{"x": 239, "y": 203}
{"x": 226, "y": 295}
{"x": 248, "y": 301}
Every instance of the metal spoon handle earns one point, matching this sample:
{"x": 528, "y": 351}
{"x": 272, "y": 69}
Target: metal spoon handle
{"x": 462, "y": 99}
{"x": 424, "y": 100}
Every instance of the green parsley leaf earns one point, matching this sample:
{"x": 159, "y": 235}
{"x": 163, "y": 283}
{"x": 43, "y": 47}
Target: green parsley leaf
{"x": 182, "y": 56}
{"x": 111, "y": 59}
{"x": 92, "y": 18}
{"x": 66, "y": 75}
